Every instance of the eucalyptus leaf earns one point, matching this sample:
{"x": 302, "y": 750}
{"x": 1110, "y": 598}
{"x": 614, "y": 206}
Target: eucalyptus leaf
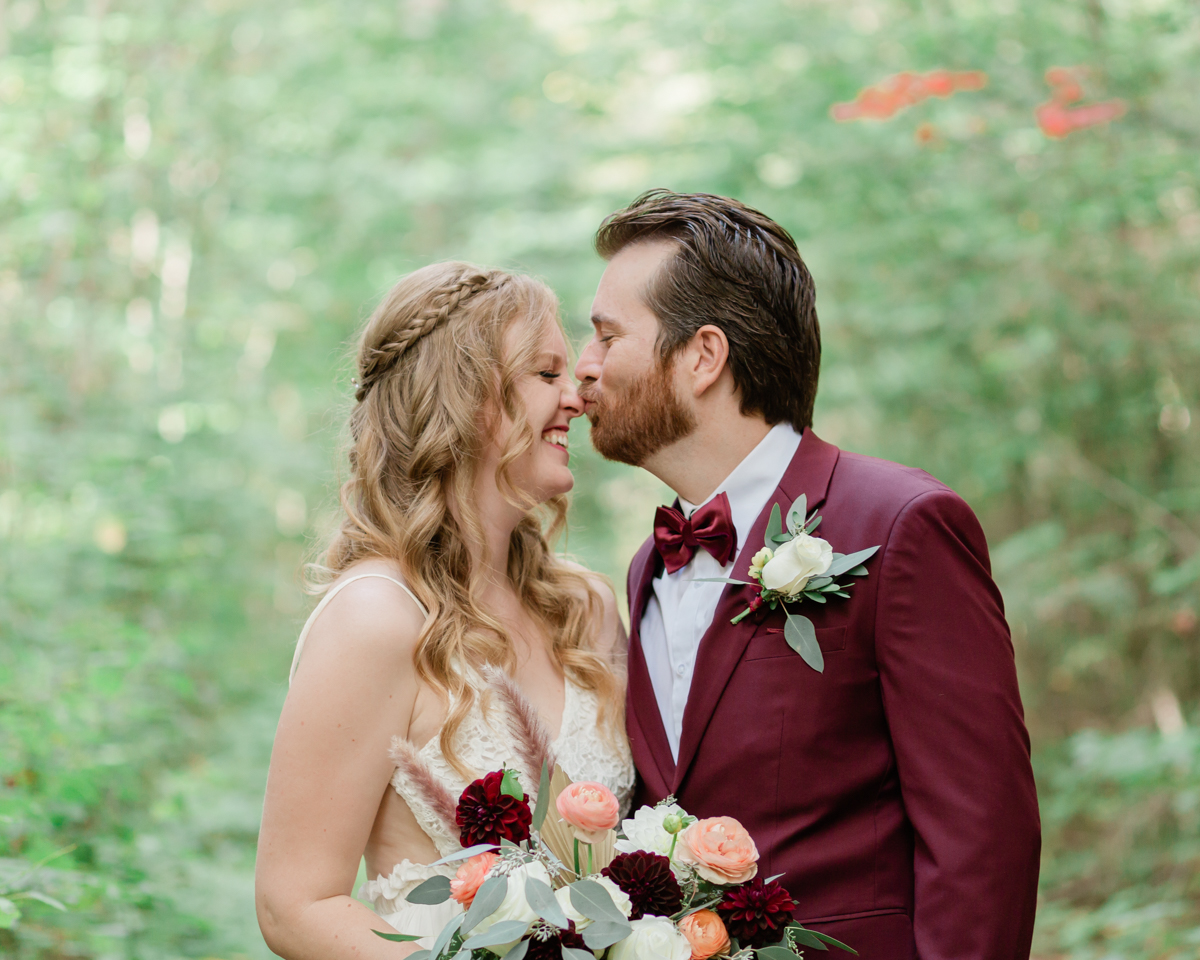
{"x": 443, "y": 938}
{"x": 832, "y": 942}
{"x": 774, "y": 529}
{"x": 464, "y": 854}
{"x": 518, "y": 952}
{"x": 593, "y": 901}
{"x": 850, "y": 561}
{"x": 801, "y": 636}
{"x": 397, "y": 937}
{"x": 775, "y": 951}
{"x": 858, "y": 572}
{"x": 487, "y": 900}
{"x": 814, "y": 595}
{"x": 433, "y": 891}
{"x": 841, "y": 593}
{"x": 829, "y": 588}
{"x": 541, "y": 899}
{"x": 812, "y": 524}
{"x": 604, "y": 933}
{"x": 418, "y": 955}
{"x": 808, "y": 938}
{"x": 543, "y": 800}
{"x": 574, "y": 953}
{"x": 506, "y": 931}
{"x": 780, "y": 538}
{"x": 795, "y": 517}
{"x": 510, "y": 785}
{"x": 818, "y": 583}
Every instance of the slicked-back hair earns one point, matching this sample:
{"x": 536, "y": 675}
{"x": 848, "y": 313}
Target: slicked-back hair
{"x": 740, "y": 271}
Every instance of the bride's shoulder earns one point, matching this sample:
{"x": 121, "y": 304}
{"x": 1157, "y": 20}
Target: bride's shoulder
{"x": 368, "y": 614}
{"x": 611, "y": 633}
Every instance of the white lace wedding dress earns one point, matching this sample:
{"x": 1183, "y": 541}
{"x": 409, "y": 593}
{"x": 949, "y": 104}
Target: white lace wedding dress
{"x": 483, "y": 744}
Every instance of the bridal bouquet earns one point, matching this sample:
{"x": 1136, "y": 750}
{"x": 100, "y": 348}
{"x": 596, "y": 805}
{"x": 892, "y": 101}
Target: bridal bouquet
{"x": 538, "y": 883}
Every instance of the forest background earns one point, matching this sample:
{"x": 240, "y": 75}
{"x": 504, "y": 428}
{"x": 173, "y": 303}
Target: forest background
{"x": 201, "y": 201}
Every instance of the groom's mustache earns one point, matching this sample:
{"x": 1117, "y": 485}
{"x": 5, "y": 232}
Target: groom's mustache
{"x": 589, "y": 395}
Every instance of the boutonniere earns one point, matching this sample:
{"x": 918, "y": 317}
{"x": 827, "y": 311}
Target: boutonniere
{"x": 794, "y": 566}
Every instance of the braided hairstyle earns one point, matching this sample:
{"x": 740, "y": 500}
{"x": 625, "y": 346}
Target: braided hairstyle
{"x": 438, "y": 362}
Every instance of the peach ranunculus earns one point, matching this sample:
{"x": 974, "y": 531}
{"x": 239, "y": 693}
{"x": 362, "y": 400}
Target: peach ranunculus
{"x": 706, "y": 933}
{"x": 720, "y": 849}
{"x": 590, "y": 808}
{"x": 470, "y": 877}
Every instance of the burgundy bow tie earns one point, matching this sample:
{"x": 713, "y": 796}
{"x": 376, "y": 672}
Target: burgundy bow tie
{"x": 710, "y": 527}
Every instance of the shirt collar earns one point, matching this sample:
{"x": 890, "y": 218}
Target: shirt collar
{"x": 752, "y": 481}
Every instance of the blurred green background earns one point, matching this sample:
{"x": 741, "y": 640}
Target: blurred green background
{"x": 201, "y": 201}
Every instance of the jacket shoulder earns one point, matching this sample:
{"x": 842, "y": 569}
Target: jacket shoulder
{"x": 891, "y": 487}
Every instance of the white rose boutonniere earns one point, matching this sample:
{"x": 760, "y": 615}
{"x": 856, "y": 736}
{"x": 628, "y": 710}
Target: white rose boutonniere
{"x": 793, "y": 565}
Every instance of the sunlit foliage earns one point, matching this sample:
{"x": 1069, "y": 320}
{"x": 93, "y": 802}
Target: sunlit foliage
{"x": 201, "y": 200}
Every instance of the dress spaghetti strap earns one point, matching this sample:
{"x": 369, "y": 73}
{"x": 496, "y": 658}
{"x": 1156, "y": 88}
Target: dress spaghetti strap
{"x": 312, "y": 617}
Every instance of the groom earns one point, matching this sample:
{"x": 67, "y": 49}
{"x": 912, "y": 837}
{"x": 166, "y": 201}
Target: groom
{"x": 894, "y": 789}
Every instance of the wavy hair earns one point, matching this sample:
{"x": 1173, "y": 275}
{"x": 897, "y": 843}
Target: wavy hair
{"x": 437, "y": 364}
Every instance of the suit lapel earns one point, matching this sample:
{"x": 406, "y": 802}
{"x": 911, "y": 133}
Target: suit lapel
{"x": 642, "y": 705}
{"x": 723, "y": 643}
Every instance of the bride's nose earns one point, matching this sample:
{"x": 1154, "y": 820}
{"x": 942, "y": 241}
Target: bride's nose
{"x": 570, "y": 402}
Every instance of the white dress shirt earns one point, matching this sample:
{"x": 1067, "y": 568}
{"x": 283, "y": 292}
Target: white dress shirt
{"x": 679, "y": 611}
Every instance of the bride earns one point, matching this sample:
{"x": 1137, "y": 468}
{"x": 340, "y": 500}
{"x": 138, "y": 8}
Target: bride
{"x": 448, "y": 627}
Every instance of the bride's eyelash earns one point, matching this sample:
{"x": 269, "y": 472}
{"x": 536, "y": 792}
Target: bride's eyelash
{"x": 549, "y": 374}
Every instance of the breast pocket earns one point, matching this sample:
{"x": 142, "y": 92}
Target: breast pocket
{"x": 770, "y": 643}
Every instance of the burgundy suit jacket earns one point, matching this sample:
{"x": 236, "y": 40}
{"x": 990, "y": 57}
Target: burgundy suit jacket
{"x": 894, "y": 790}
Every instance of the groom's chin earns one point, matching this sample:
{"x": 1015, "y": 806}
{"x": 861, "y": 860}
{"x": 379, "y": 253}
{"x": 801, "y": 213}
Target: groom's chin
{"x": 614, "y": 448}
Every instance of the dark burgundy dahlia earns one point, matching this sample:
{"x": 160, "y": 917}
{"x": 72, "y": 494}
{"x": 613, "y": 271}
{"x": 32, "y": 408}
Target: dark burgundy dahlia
{"x": 485, "y": 815}
{"x": 755, "y": 915}
{"x": 551, "y": 947}
{"x": 648, "y": 881}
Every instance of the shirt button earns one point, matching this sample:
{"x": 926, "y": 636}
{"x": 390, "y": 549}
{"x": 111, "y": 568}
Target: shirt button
{"x": 681, "y": 670}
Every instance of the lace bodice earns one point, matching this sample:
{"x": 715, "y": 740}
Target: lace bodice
{"x": 483, "y": 744}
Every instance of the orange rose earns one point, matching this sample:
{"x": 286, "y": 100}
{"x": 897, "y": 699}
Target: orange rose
{"x": 720, "y": 849}
{"x": 590, "y": 808}
{"x": 706, "y": 933}
{"x": 470, "y": 877}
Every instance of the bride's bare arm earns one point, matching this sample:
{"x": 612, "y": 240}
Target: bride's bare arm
{"x": 354, "y": 690}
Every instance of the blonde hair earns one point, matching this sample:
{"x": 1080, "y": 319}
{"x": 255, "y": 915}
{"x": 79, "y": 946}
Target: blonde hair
{"x": 433, "y": 375}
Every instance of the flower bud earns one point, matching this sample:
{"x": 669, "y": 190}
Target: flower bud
{"x": 672, "y": 823}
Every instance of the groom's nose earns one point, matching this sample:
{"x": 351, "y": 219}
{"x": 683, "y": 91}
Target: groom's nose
{"x": 589, "y": 365}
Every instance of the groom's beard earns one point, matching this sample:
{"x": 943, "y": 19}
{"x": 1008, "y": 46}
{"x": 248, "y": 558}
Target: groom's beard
{"x": 644, "y": 419}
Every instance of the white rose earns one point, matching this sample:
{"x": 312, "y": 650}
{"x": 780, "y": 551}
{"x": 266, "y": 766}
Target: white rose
{"x": 514, "y": 905}
{"x": 645, "y": 831}
{"x": 653, "y": 938}
{"x": 795, "y": 563}
{"x": 619, "y": 897}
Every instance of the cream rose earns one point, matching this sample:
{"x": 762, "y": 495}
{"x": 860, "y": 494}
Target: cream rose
{"x": 653, "y": 938}
{"x": 795, "y": 563}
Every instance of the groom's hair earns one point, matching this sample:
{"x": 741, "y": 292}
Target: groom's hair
{"x": 739, "y": 270}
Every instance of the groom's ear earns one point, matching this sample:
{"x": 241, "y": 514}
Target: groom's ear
{"x": 705, "y": 358}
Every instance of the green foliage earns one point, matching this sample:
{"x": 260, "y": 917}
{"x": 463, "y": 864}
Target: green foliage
{"x": 201, "y": 200}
